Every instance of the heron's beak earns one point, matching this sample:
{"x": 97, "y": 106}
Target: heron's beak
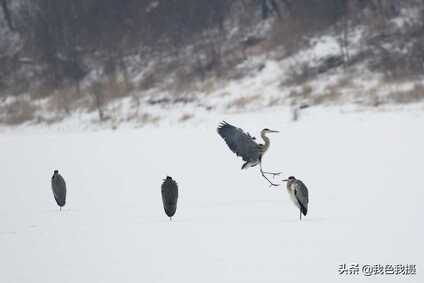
{"x": 285, "y": 180}
{"x": 272, "y": 131}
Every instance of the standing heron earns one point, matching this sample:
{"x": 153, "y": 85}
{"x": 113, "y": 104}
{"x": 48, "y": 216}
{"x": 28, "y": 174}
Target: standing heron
{"x": 244, "y": 145}
{"x": 299, "y": 194}
{"x": 169, "y": 196}
{"x": 59, "y": 189}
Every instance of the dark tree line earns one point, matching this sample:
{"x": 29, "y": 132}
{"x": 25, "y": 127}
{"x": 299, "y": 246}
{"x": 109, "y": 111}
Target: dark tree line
{"x": 60, "y": 33}
{"x": 7, "y": 14}
{"x": 63, "y": 35}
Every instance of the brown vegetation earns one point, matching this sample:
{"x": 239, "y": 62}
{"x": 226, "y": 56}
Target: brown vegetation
{"x": 242, "y": 102}
{"x": 414, "y": 95}
{"x": 19, "y": 111}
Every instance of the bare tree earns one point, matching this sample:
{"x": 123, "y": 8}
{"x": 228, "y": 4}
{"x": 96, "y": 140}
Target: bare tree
{"x": 342, "y": 8}
{"x": 99, "y": 99}
{"x": 7, "y": 14}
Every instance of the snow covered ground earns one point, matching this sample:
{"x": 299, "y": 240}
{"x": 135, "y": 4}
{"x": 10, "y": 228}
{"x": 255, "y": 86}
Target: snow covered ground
{"x": 363, "y": 171}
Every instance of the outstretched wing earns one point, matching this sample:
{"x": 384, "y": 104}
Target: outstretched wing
{"x": 301, "y": 193}
{"x": 239, "y": 142}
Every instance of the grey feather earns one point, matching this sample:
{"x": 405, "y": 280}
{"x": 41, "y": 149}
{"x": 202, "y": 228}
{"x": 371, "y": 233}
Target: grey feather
{"x": 301, "y": 193}
{"x": 169, "y": 191}
{"x": 239, "y": 142}
{"x": 59, "y": 189}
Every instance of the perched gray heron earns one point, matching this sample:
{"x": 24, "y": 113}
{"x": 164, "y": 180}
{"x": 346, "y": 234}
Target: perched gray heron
{"x": 169, "y": 196}
{"x": 59, "y": 189}
{"x": 299, "y": 194}
{"x": 244, "y": 145}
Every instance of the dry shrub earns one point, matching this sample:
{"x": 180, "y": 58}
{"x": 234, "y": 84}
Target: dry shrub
{"x": 345, "y": 82}
{"x": 330, "y": 96}
{"x": 114, "y": 89}
{"x": 242, "y": 102}
{"x": 147, "y": 118}
{"x": 99, "y": 100}
{"x": 49, "y": 120}
{"x": 405, "y": 97}
{"x": 396, "y": 67}
{"x": 254, "y": 46}
{"x": 184, "y": 81}
{"x": 209, "y": 86}
{"x": 18, "y": 112}
{"x": 133, "y": 114}
{"x": 85, "y": 102}
{"x": 102, "y": 92}
{"x": 402, "y": 61}
{"x": 149, "y": 81}
{"x": 62, "y": 101}
{"x": 43, "y": 90}
{"x": 290, "y": 34}
{"x": 186, "y": 117}
{"x": 158, "y": 74}
{"x": 372, "y": 98}
{"x": 231, "y": 59}
{"x": 275, "y": 101}
{"x": 304, "y": 93}
{"x": 376, "y": 23}
{"x": 299, "y": 74}
{"x": 299, "y": 96}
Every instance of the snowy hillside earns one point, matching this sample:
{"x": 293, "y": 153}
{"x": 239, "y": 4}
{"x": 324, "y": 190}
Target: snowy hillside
{"x": 96, "y": 65}
{"x": 363, "y": 171}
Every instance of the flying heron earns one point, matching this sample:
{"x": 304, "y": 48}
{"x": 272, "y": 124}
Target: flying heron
{"x": 59, "y": 189}
{"x": 169, "y": 196}
{"x": 299, "y": 194}
{"x": 244, "y": 145}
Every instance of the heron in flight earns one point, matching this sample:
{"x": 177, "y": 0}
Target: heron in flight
{"x": 299, "y": 194}
{"x": 169, "y": 191}
{"x": 59, "y": 189}
{"x": 244, "y": 145}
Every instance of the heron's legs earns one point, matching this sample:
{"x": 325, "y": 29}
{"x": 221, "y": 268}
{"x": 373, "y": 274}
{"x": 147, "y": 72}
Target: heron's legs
{"x": 263, "y": 175}
{"x": 272, "y": 173}
{"x": 300, "y": 212}
{"x": 269, "y": 173}
{"x": 270, "y": 183}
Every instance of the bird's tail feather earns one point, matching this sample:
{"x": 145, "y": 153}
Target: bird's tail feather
{"x": 303, "y": 209}
{"x": 248, "y": 165}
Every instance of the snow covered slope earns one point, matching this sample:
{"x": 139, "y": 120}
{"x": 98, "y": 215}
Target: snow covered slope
{"x": 363, "y": 171}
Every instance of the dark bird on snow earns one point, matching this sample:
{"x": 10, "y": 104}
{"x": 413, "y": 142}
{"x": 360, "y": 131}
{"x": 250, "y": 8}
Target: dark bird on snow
{"x": 169, "y": 196}
{"x": 299, "y": 194}
{"x": 244, "y": 145}
{"x": 59, "y": 189}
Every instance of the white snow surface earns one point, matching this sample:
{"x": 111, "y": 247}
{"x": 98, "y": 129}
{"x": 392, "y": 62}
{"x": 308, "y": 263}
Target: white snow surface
{"x": 363, "y": 171}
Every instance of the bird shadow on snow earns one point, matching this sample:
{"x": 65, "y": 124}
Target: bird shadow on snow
{"x": 207, "y": 214}
{"x": 152, "y": 220}
{"x": 230, "y": 220}
{"x": 232, "y": 203}
{"x": 64, "y": 211}
{"x": 314, "y": 219}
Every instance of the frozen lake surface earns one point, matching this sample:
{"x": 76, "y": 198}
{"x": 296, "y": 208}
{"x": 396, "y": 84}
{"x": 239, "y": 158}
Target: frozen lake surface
{"x": 364, "y": 172}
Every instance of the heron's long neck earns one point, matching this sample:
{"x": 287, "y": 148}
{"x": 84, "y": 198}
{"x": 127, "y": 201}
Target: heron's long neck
{"x": 266, "y": 142}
